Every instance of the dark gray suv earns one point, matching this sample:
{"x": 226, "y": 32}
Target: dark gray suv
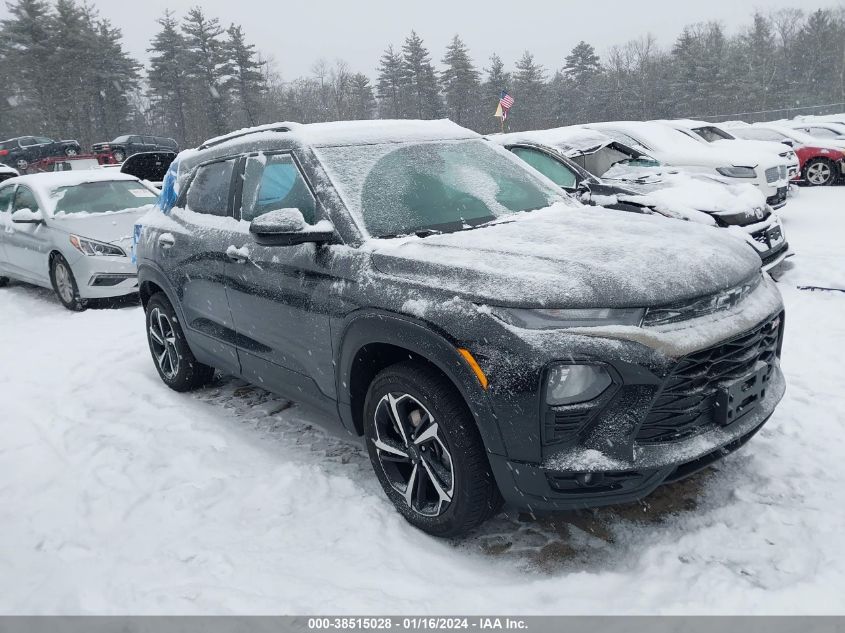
{"x": 489, "y": 337}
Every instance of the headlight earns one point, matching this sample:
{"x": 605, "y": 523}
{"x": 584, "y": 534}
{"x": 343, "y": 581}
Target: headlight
{"x": 93, "y": 247}
{"x": 569, "y": 384}
{"x": 554, "y": 319}
{"x": 737, "y": 172}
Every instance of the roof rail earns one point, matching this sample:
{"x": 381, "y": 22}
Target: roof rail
{"x": 275, "y": 127}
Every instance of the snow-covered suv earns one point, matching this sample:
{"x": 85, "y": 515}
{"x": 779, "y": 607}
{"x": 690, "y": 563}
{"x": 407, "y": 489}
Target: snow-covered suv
{"x": 487, "y": 335}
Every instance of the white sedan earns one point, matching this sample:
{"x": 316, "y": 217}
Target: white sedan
{"x": 72, "y": 232}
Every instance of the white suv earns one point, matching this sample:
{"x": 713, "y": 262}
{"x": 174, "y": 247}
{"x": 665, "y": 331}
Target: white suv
{"x": 769, "y": 172}
{"x": 711, "y": 133}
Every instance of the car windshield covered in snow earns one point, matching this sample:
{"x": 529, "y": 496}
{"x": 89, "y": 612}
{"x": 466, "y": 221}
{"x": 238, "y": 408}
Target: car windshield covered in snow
{"x": 444, "y": 186}
{"x": 101, "y": 197}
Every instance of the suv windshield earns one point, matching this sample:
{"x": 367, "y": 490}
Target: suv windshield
{"x": 397, "y": 189}
{"x": 121, "y": 139}
{"x": 99, "y": 197}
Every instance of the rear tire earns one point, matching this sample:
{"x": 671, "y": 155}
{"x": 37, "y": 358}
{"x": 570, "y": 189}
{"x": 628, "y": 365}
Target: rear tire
{"x": 71, "y": 151}
{"x": 820, "y": 172}
{"x": 4, "y": 281}
{"x": 64, "y": 284}
{"x": 434, "y": 468}
{"x": 172, "y": 357}
{"x": 21, "y": 165}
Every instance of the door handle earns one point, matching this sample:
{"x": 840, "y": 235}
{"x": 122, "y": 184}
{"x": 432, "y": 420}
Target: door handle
{"x": 166, "y": 240}
{"x": 237, "y": 255}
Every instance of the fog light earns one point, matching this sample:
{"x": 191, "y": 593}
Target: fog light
{"x": 568, "y": 384}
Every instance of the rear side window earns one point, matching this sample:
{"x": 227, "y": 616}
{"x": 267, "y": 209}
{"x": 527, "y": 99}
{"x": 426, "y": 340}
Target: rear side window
{"x": 6, "y": 198}
{"x": 555, "y": 171}
{"x": 272, "y": 183}
{"x": 209, "y": 190}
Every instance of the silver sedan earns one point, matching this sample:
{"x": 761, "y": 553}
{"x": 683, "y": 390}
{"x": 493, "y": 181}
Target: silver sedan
{"x": 72, "y": 232}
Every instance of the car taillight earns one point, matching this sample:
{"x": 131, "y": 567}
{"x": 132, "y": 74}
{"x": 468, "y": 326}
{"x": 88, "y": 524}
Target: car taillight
{"x": 4, "y": 152}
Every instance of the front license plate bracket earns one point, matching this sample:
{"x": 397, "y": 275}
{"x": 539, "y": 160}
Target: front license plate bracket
{"x": 737, "y": 399}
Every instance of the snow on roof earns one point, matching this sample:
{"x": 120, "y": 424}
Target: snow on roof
{"x": 689, "y": 124}
{"x": 383, "y": 131}
{"x": 54, "y": 179}
{"x": 369, "y": 132}
{"x": 572, "y": 139}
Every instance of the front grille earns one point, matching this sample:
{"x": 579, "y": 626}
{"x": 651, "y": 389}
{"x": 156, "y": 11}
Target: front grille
{"x": 685, "y": 405}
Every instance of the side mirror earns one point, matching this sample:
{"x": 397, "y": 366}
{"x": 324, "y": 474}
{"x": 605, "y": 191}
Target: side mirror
{"x": 287, "y": 227}
{"x": 788, "y": 141}
{"x": 584, "y": 193}
{"x": 27, "y": 216}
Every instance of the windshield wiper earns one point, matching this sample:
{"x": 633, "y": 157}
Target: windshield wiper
{"x": 418, "y": 233}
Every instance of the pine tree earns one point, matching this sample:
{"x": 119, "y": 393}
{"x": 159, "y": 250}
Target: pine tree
{"x": 363, "y": 103}
{"x": 461, "y": 87}
{"x": 246, "y": 83}
{"x": 26, "y": 40}
{"x": 582, "y": 64}
{"x": 208, "y": 69}
{"x": 423, "y": 93}
{"x": 497, "y": 80}
{"x": 529, "y": 83}
{"x": 168, "y": 79}
{"x": 390, "y": 86}
{"x": 573, "y": 91}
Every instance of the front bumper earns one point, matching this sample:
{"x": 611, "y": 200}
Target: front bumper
{"x": 104, "y": 277}
{"x": 660, "y": 420}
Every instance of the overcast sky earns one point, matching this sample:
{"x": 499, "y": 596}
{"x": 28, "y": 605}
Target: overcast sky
{"x": 298, "y": 32}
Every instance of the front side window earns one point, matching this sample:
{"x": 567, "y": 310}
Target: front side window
{"x": 274, "y": 182}
{"x": 6, "y": 195}
{"x": 400, "y": 188}
{"x": 552, "y": 169}
{"x": 711, "y": 134}
{"x": 25, "y": 199}
{"x": 209, "y": 190}
{"x": 101, "y": 196}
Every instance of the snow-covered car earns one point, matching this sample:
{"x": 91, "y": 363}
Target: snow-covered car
{"x": 823, "y": 130}
{"x": 711, "y": 133}
{"x": 671, "y": 147}
{"x": 72, "y": 231}
{"x": 822, "y": 160}
{"x": 636, "y": 183}
{"x": 488, "y": 336}
{"x": 7, "y": 172}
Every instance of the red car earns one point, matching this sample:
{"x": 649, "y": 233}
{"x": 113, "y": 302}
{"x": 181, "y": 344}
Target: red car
{"x": 64, "y": 163}
{"x": 822, "y": 161}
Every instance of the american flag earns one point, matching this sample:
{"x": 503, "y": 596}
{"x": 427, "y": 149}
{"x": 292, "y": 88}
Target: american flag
{"x": 506, "y": 101}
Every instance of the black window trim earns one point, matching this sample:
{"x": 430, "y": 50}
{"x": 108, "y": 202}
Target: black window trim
{"x": 579, "y": 178}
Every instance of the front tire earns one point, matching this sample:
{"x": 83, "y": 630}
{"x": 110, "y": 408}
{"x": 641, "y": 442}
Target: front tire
{"x": 173, "y": 358}
{"x": 427, "y": 452}
{"x": 4, "y": 281}
{"x": 819, "y": 172}
{"x": 64, "y": 285}
{"x": 119, "y": 155}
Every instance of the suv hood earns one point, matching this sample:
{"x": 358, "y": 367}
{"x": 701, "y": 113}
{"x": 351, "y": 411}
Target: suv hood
{"x": 771, "y": 147}
{"x": 566, "y": 256}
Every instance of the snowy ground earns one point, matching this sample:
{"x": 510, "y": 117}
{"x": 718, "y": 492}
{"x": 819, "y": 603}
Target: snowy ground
{"x": 120, "y": 496}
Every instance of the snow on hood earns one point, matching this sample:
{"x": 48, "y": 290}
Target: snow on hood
{"x": 573, "y": 257}
{"x": 570, "y": 140}
{"x": 114, "y": 226}
{"x": 55, "y": 179}
{"x": 689, "y": 194}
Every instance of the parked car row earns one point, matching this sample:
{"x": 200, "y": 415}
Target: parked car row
{"x": 37, "y": 153}
{"x": 447, "y": 297}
